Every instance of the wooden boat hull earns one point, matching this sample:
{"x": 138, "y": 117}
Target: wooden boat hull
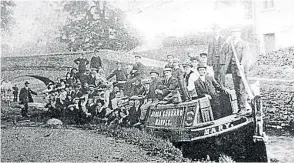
{"x": 235, "y": 141}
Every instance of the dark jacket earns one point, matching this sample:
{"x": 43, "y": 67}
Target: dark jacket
{"x": 134, "y": 115}
{"x": 84, "y": 78}
{"x": 156, "y": 84}
{"x": 207, "y": 87}
{"x": 25, "y": 95}
{"x": 120, "y": 75}
{"x": 137, "y": 90}
{"x": 214, "y": 51}
{"x": 169, "y": 65}
{"x": 244, "y": 57}
{"x": 170, "y": 85}
{"x": 140, "y": 67}
{"x": 96, "y": 62}
{"x": 179, "y": 75}
{"x": 82, "y": 62}
{"x": 15, "y": 90}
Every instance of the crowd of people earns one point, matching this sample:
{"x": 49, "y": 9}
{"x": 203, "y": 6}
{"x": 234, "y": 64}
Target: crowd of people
{"x": 86, "y": 94}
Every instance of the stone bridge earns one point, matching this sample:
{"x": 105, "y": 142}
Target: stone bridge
{"x": 56, "y": 65}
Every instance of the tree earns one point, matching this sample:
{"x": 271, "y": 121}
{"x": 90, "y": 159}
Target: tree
{"x": 96, "y": 24}
{"x": 6, "y": 15}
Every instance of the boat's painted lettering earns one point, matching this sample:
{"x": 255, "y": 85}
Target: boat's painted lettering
{"x": 218, "y": 128}
{"x": 167, "y": 113}
{"x": 163, "y": 122}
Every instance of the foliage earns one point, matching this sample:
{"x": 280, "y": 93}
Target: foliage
{"x": 6, "y": 15}
{"x": 96, "y": 24}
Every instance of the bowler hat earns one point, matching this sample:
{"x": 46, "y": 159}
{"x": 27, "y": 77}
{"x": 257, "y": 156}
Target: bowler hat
{"x": 27, "y": 82}
{"x": 167, "y": 69}
{"x": 135, "y": 98}
{"x": 176, "y": 60}
{"x": 135, "y": 67}
{"x": 146, "y": 81}
{"x": 186, "y": 64}
{"x": 154, "y": 71}
{"x": 201, "y": 65}
{"x": 195, "y": 58}
{"x": 93, "y": 69}
{"x": 202, "y": 54}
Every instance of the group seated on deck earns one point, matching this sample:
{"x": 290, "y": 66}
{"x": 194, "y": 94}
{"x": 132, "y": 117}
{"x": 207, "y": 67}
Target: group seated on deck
{"x": 87, "y": 95}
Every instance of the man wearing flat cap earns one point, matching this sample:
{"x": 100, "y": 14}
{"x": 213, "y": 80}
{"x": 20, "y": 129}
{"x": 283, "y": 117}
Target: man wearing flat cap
{"x": 155, "y": 84}
{"x": 120, "y": 75}
{"x": 170, "y": 59}
{"x": 214, "y": 52}
{"x": 138, "y": 64}
{"x": 25, "y": 96}
{"x": 96, "y": 60}
{"x": 170, "y": 87}
{"x": 229, "y": 61}
{"x": 178, "y": 72}
{"x": 190, "y": 77}
{"x": 82, "y": 62}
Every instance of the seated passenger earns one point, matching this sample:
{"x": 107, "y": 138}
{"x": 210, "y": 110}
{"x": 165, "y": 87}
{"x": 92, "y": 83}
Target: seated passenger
{"x": 170, "y": 88}
{"x": 115, "y": 100}
{"x": 203, "y": 60}
{"x": 134, "y": 111}
{"x": 206, "y": 86}
{"x": 156, "y": 83}
{"x": 119, "y": 73}
{"x": 190, "y": 77}
{"x": 137, "y": 88}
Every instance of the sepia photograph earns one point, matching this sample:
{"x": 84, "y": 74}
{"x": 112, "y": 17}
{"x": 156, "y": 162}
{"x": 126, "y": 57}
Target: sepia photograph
{"x": 147, "y": 81}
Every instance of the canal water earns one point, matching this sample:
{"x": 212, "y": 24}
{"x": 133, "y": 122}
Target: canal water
{"x": 281, "y": 149}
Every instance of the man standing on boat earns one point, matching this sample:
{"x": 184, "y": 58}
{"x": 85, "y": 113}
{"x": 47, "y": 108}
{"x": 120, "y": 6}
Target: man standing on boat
{"x": 228, "y": 60}
{"x": 214, "y": 54}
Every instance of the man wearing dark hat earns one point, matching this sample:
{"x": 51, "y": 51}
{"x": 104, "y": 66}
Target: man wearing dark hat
{"x": 178, "y": 73}
{"x": 156, "y": 83}
{"x": 170, "y": 87}
{"x": 138, "y": 65}
{"x": 170, "y": 59}
{"x": 195, "y": 61}
{"x": 190, "y": 77}
{"x": 92, "y": 92}
{"x": 96, "y": 61}
{"x": 229, "y": 61}
{"x": 119, "y": 73}
{"x": 203, "y": 60}
{"x": 82, "y": 63}
{"x": 25, "y": 96}
{"x": 214, "y": 52}
{"x": 206, "y": 86}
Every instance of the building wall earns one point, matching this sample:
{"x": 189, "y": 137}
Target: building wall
{"x": 278, "y": 20}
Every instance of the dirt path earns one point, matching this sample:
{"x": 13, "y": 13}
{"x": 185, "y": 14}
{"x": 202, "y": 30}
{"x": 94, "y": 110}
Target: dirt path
{"x": 43, "y": 144}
